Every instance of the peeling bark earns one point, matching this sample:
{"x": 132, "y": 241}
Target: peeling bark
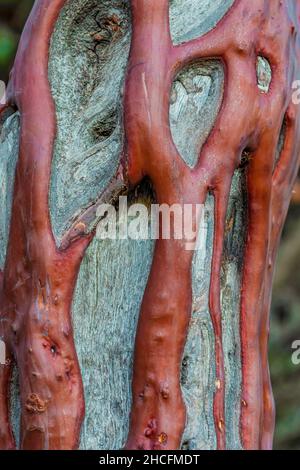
{"x": 252, "y": 41}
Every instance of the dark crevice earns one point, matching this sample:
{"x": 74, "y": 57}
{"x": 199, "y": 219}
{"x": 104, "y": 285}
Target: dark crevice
{"x": 281, "y": 142}
{"x": 142, "y": 193}
{"x": 104, "y": 128}
{"x": 185, "y": 445}
{"x": 246, "y": 157}
{"x": 184, "y": 370}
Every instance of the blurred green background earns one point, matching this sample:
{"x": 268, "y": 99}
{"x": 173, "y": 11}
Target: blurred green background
{"x": 285, "y": 324}
{"x": 13, "y": 14}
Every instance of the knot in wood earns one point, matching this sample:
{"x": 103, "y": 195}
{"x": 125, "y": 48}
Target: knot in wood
{"x": 35, "y": 404}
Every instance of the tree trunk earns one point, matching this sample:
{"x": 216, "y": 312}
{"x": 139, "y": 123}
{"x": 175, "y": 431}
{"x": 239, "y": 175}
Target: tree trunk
{"x": 177, "y": 102}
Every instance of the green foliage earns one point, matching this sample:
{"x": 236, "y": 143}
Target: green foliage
{"x": 8, "y": 43}
{"x": 285, "y": 329}
{"x": 13, "y": 14}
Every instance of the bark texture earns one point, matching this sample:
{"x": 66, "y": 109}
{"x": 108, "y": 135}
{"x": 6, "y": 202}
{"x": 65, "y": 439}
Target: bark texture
{"x": 196, "y": 98}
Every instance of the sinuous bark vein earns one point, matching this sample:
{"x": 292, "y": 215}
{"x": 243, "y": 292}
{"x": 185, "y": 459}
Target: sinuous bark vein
{"x": 39, "y": 278}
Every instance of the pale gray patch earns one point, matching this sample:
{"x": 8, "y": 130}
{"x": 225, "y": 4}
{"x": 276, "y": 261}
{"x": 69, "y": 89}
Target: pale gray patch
{"x": 195, "y": 102}
{"x": 109, "y": 292}
{"x": 2, "y": 92}
{"x": 86, "y": 81}
{"x": 190, "y": 19}
{"x": 264, "y": 74}
{"x": 9, "y": 150}
{"x": 231, "y": 281}
{"x": 198, "y": 368}
{"x": 15, "y": 404}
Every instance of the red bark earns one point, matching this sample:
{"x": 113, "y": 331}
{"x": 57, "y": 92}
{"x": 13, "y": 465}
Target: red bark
{"x": 39, "y": 278}
{"x": 248, "y": 119}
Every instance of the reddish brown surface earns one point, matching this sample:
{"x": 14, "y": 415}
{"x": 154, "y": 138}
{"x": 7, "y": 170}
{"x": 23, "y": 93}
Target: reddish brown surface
{"x": 296, "y": 193}
{"x": 39, "y": 279}
{"x": 248, "y": 119}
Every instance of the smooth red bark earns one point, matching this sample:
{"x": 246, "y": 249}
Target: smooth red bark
{"x": 38, "y": 278}
{"x": 248, "y": 119}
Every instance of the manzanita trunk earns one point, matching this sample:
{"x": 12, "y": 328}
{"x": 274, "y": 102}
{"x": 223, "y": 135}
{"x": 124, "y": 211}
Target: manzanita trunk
{"x": 200, "y": 107}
